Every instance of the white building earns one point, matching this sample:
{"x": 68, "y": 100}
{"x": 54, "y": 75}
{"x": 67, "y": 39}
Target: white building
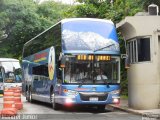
{"x": 142, "y": 36}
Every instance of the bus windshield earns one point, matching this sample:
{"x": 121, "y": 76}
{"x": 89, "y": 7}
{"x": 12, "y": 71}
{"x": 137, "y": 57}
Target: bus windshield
{"x": 11, "y": 77}
{"x": 91, "y": 71}
{"x": 89, "y": 35}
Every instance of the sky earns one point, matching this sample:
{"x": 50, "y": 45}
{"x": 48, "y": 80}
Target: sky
{"x": 71, "y": 2}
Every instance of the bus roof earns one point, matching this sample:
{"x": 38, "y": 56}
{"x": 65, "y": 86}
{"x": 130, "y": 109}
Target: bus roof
{"x": 88, "y": 19}
{"x": 8, "y": 60}
{"x": 100, "y": 33}
{"x": 68, "y": 20}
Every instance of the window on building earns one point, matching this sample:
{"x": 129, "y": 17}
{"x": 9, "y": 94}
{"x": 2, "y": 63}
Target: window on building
{"x": 138, "y": 50}
{"x": 143, "y": 49}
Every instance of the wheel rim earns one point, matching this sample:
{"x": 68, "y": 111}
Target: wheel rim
{"x": 54, "y": 105}
{"x": 53, "y": 101}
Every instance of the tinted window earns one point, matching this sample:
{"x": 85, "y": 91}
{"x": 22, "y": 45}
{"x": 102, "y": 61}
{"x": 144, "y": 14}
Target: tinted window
{"x": 143, "y": 49}
{"x": 41, "y": 70}
{"x": 138, "y": 50}
{"x": 51, "y": 37}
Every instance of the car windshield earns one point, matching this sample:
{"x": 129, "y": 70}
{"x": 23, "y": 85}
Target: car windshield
{"x": 91, "y": 71}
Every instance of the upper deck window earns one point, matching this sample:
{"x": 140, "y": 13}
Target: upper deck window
{"x": 138, "y": 50}
{"x": 51, "y": 37}
{"x": 89, "y": 35}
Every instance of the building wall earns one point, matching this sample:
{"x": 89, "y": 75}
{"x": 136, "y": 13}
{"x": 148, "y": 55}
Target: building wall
{"x": 143, "y": 77}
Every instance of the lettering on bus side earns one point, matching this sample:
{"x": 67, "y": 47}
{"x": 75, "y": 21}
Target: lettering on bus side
{"x": 41, "y": 55}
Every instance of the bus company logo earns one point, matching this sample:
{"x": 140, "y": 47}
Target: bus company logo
{"x": 51, "y": 63}
{"x": 40, "y": 57}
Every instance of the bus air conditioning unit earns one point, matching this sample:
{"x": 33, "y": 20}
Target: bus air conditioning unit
{"x": 153, "y": 9}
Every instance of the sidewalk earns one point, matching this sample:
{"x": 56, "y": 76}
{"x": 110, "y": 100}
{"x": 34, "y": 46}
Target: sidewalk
{"x": 124, "y": 107}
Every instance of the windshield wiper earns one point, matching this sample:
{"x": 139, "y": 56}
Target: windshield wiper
{"x": 103, "y": 47}
{"x": 81, "y": 83}
{"x": 105, "y": 81}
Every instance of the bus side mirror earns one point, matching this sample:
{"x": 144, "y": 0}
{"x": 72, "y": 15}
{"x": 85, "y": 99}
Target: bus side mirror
{"x": 124, "y": 56}
{"x": 18, "y": 71}
{"x": 127, "y": 64}
{"x": 63, "y": 61}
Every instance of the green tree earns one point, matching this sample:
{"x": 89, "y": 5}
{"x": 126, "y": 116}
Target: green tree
{"x": 86, "y": 10}
{"x": 21, "y": 20}
{"x": 21, "y": 25}
{"x": 115, "y": 11}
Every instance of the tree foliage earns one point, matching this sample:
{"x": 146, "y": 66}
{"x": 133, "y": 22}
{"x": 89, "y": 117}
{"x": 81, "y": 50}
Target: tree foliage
{"x": 23, "y": 19}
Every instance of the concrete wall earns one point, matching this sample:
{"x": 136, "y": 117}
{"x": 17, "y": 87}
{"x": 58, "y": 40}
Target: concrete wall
{"x": 134, "y": 26}
{"x": 143, "y": 77}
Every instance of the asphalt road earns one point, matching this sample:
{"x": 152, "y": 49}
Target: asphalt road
{"x": 39, "y": 110}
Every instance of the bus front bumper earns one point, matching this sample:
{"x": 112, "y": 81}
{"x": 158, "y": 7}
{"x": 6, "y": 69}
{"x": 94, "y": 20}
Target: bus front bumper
{"x": 76, "y": 100}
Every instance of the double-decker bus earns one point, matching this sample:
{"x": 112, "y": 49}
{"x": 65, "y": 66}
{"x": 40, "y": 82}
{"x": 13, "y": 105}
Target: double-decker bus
{"x": 10, "y": 73}
{"x": 74, "y": 62}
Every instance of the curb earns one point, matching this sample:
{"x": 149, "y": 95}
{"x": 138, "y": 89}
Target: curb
{"x": 125, "y": 109}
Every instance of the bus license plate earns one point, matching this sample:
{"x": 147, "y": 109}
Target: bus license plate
{"x": 93, "y": 99}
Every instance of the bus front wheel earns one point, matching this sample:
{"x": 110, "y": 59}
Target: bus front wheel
{"x": 29, "y": 95}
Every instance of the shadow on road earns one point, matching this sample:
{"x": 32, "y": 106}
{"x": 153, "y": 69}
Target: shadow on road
{"x": 76, "y": 108}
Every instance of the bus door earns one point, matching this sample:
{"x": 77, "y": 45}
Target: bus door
{"x": 38, "y": 78}
{"x": 1, "y": 79}
{"x": 45, "y": 81}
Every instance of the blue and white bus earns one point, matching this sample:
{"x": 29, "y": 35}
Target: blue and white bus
{"x": 74, "y": 62}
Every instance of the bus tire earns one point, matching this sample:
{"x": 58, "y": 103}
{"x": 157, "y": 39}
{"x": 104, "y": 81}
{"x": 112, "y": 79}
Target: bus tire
{"x": 101, "y": 107}
{"x": 55, "y": 105}
{"x": 27, "y": 95}
{"x": 30, "y": 95}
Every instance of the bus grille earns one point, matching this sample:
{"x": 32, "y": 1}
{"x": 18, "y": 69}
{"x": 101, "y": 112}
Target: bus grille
{"x": 85, "y": 96}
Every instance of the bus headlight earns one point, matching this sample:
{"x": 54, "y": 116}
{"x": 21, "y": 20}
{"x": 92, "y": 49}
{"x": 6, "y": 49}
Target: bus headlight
{"x": 116, "y": 100}
{"x": 70, "y": 92}
{"x": 115, "y": 92}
